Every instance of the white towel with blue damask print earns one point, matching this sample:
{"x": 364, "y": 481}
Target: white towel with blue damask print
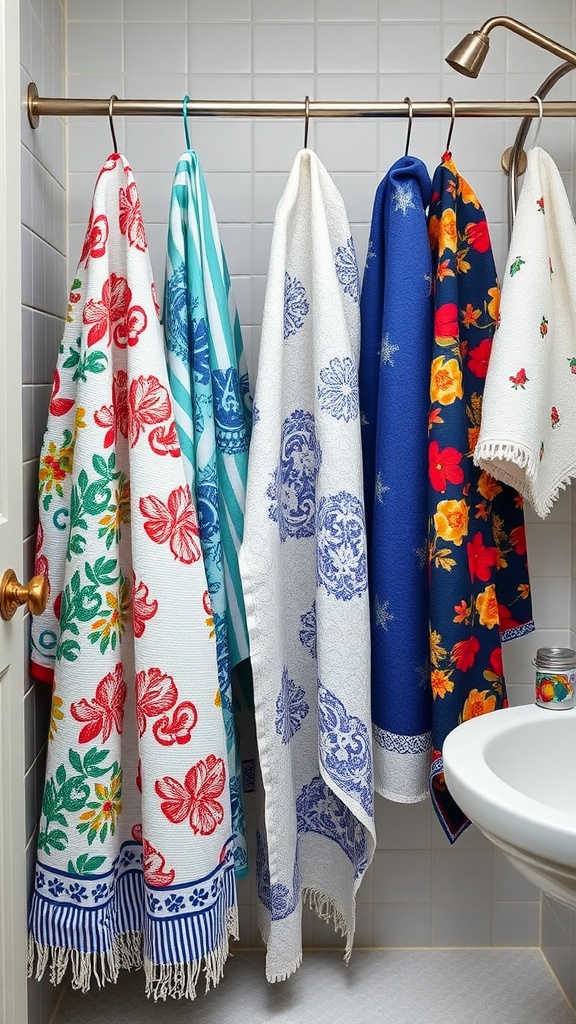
{"x": 304, "y": 573}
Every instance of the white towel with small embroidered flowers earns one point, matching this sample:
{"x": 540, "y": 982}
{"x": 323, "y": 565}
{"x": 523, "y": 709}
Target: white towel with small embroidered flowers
{"x": 304, "y": 573}
{"x": 529, "y": 407}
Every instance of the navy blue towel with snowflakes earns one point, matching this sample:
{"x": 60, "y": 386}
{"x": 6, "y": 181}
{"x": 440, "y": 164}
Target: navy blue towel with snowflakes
{"x": 397, "y": 328}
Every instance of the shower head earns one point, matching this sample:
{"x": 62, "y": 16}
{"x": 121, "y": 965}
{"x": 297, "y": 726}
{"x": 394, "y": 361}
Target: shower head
{"x": 469, "y": 54}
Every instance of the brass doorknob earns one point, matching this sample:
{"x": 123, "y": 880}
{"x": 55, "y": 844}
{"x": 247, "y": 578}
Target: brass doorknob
{"x": 12, "y": 594}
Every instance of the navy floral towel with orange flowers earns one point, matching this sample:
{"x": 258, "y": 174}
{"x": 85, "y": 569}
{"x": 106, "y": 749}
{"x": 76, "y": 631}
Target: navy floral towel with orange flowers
{"x": 397, "y": 314}
{"x": 479, "y": 584}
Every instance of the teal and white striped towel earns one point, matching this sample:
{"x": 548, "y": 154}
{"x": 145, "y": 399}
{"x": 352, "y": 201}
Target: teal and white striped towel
{"x": 209, "y": 382}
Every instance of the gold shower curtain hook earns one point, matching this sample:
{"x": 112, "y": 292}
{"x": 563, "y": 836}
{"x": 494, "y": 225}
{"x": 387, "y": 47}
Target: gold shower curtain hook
{"x": 111, "y": 120}
{"x": 306, "y": 120}
{"x": 452, "y": 120}
{"x": 410, "y": 117}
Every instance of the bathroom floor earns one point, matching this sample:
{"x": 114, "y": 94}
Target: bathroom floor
{"x": 439, "y": 986}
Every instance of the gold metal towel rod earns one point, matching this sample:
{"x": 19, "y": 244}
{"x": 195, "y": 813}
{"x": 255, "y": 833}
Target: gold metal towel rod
{"x": 40, "y": 106}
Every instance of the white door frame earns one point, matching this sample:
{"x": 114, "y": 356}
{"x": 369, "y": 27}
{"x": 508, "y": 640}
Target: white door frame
{"x": 13, "y": 985}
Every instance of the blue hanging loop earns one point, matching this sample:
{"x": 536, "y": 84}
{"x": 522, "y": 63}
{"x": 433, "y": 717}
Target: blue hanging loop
{"x": 185, "y": 103}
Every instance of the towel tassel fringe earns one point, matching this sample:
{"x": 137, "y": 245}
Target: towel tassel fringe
{"x": 162, "y": 980}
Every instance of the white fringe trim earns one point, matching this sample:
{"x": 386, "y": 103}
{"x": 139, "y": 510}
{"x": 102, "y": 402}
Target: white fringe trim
{"x": 328, "y": 910}
{"x": 489, "y": 452}
{"x": 179, "y": 981}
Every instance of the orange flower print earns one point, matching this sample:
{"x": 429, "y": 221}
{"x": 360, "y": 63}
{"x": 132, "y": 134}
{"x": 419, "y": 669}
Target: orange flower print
{"x": 463, "y": 612}
{"x": 451, "y": 520}
{"x": 447, "y": 234}
{"x": 524, "y": 589}
{"x": 445, "y": 381}
{"x": 469, "y": 315}
{"x": 444, "y": 270}
{"x": 437, "y": 652}
{"x": 441, "y": 683}
{"x": 478, "y": 702}
{"x": 473, "y": 435}
{"x": 488, "y": 486}
{"x": 493, "y": 306}
{"x": 487, "y": 607}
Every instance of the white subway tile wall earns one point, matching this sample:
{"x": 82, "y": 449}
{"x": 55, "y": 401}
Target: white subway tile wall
{"x": 44, "y": 290}
{"x": 420, "y": 891}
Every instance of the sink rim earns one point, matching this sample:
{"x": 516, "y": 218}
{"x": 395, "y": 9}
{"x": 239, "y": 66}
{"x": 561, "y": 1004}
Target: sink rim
{"x": 497, "y": 808}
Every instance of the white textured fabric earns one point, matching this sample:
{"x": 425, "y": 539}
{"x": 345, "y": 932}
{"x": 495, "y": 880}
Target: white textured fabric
{"x": 304, "y": 573}
{"x": 529, "y": 407}
{"x": 135, "y": 863}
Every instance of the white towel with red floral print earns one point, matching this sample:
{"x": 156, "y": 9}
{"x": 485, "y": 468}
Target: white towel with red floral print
{"x": 529, "y": 406}
{"x": 135, "y": 860}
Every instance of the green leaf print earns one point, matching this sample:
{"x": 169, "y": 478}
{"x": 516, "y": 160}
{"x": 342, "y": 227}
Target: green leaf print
{"x": 90, "y": 499}
{"x": 73, "y": 796}
{"x": 85, "y": 865}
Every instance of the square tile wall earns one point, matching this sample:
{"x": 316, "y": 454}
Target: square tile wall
{"x": 44, "y": 285}
{"x": 419, "y": 891}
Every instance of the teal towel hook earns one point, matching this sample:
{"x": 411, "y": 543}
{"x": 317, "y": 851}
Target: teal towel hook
{"x": 185, "y": 103}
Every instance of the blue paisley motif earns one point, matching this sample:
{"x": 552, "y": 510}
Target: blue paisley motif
{"x": 231, "y": 435}
{"x": 291, "y": 708}
{"x": 278, "y": 899}
{"x": 200, "y": 352}
{"x": 319, "y": 810}
{"x": 209, "y": 519}
{"x": 308, "y": 632}
{"x": 237, "y": 809}
{"x": 344, "y": 747}
{"x": 341, "y": 548}
{"x": 295, "y": 305}
{"x": 293, "y": 488}
{"x": 176, "y": 307}
{"x": 347, "y": 269}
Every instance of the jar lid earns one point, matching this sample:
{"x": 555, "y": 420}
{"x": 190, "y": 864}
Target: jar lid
{"x": 555, "y": 657}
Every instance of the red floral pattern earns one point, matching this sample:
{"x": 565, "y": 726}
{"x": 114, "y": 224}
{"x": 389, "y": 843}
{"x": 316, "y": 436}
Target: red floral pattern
{"x": 155, "y": 692}
{"x": 174, "y": 523}
{"x": 178, "y": 729}
{"x": 196, "y": 799}
{"x": 142, "y": 609}
{"x": 105, "y": 711}
{"x": 96, "y": 238}
{"x": 131, "y": 223}
{"x": 59, "y": 406}
{"x": 153, "y": 862}
{"x": 479, "y": 590}
{"x": 149, "y": 403}
{"x": 444, "y": 466}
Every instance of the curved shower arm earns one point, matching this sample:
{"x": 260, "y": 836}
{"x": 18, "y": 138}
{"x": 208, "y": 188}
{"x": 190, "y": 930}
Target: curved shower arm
{"x": 512, "y": 159}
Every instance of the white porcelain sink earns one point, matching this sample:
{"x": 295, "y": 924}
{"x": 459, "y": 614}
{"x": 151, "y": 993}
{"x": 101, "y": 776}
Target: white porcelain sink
{"x": 513, "y": 772}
